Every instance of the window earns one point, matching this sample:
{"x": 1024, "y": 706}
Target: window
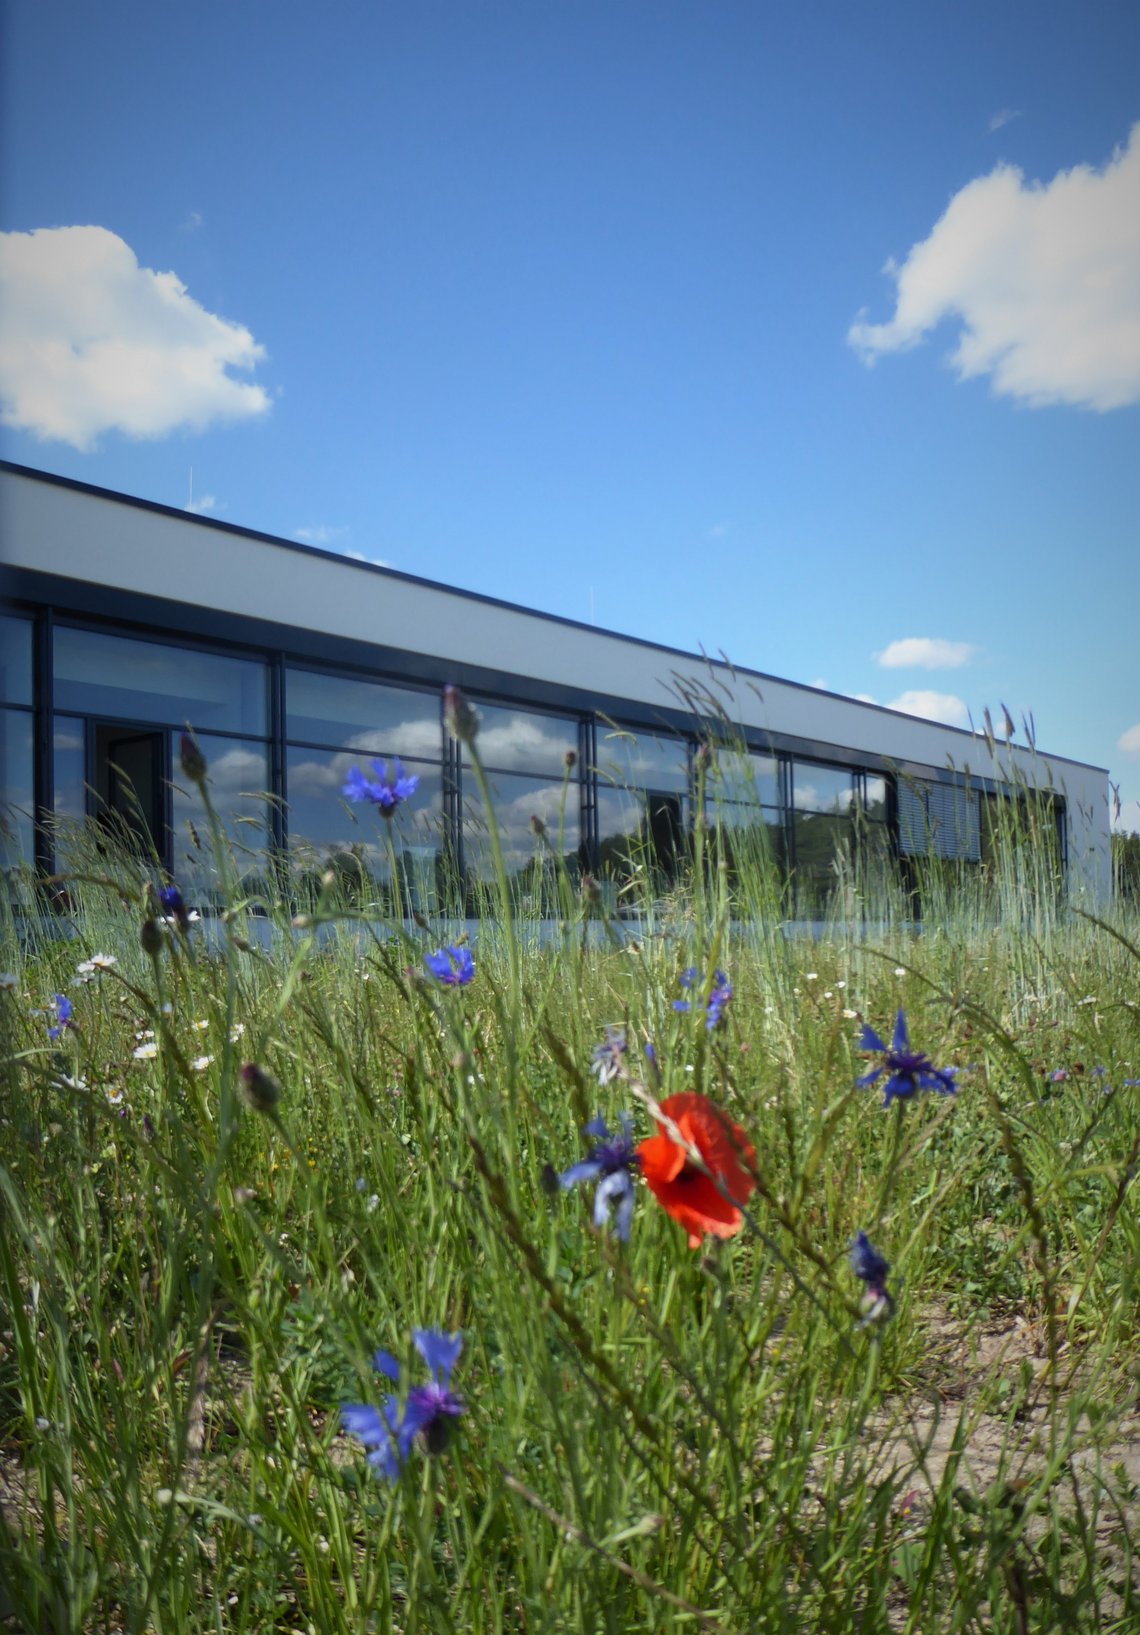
{"x": 15, "y": 661}
{"x": 643, "y": 802}
{"x": 524, "y": 754}
{"x": 334, "y": 723}
{"x": 938, "y": 820}
{"x": 127, "y": 680}
{"x": 824, "y": 802}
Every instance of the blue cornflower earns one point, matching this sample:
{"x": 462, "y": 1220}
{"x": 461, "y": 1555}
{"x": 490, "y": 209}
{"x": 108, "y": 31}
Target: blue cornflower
{"x": 611, "y": 1163}
{"x": 62, "y": 1015}
{"x": 452, "y": 966}
{"x": 171, "y": 899}
{"x": 384, "y": 792}
{"x": 428, "y": 1409}
{"x": 718, "y": 998}
{"x": 871, "y": 1268}
{"x": 910, "y": 1071}
{"x": 608, "y": 1059}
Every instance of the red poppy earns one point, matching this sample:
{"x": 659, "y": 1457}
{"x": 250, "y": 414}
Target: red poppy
{"x": 684, "y": 1191}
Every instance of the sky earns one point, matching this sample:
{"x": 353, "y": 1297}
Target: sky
{"x": 809, "y": 335}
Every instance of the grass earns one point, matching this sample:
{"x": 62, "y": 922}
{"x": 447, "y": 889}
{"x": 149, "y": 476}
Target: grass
{"x": 653, "y": 1438}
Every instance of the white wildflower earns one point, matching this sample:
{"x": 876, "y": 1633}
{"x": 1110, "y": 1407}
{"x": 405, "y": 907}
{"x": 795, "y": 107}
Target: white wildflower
{"x": 145, "y": 1052}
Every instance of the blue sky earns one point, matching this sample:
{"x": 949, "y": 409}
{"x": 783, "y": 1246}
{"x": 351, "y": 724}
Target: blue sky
{"x": 795, "y": 333}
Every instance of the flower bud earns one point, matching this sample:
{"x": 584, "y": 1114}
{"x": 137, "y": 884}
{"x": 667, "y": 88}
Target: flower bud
{"x": 459, "y": 718}
{"x": 590, "y": 889}
{"x": 537, "y": 826}
{"x": 570, "y": 759}
{"x": 259, "y": 1090}
{"x": 150, "y": 936}
{"x": 193, "y": 761}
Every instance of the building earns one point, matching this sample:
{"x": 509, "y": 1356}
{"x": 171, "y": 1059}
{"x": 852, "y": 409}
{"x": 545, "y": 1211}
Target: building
{"x": 123, "y": 621}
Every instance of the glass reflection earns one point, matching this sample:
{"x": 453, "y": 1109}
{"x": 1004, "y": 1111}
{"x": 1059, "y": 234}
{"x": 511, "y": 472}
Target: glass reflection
{"x": 821, "y": 788}
{"x": 325, "y": 830}
{"x": 516, "y": 801}
{"x": 876, "y": 801}
{"x": 15, "y": 660}
{"x": 743, "y": 777}
{"x": 68, "y": 757}
{"x": 239, "y": 780}
{"x": 362, "y": 715}
{"x": 643, "y": 762}
{"x": 131, "y": 680}
{"x": 513, "y": 740}
{"x": 16, "y": 806}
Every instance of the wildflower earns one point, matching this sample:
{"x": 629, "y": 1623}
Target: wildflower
{"x": 62, "y": 1015}
{"x": 692, "y": 1196}
{"x": 719, "y": 995}
{"x": 607, "y": 1060}
{"x": 610, "y": 1163}
{"x": 459, "y": 718}
{"x": 428, "y": 1409}
{"x": 96, "y": 965}
{"x": 871, "y": 1269}
{"x": 200, "y": 1064}
{"x": 910, "y": 1071}
{"x": 452, "y": 966}
{"x": 176, "y": 911}
{"x": 145, "y": 1052}
{"x": 385, "y": 792}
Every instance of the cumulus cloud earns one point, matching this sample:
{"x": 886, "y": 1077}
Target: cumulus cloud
{"x": 91, "y": 342}
{"x": 944, "y": 707}
{"x": 1129, "y": 742}
{"x": 1045, "y": 280}
{"x": 924, "y": 653}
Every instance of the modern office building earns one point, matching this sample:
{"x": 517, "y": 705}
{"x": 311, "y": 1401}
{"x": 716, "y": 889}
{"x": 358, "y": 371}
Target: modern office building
{"x": 123, "y": 621}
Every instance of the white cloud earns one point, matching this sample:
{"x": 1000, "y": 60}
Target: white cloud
{"x": 322, "y": 534}
{"x": 359, "y": 556}
{"x": 1129, "y": 742}
{"x": 930, "y": 706}
{"x": 206, "y": 502}
{"x": 924, "y": 653}
{"x": 1004, "y": 116}
{"x": 91, "y": 342}
{"x": 1044, "y": 278}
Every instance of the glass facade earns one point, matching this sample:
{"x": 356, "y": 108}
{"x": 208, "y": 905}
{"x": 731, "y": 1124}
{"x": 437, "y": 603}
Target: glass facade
{"x": 278, "y": 770}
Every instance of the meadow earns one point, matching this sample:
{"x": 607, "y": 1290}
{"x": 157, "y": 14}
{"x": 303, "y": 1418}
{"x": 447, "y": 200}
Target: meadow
{"x": 309, "y": 1322}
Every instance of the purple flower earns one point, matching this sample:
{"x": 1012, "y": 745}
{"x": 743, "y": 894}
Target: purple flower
{"x": 384, "y": 791}
{"x": 871, "y": 1269}
{"x": 171, "y": 899}
{"x": 62, "y": 1015}
{"x": 608, "y": 1059}
{"x": 719, "y": 995}
{"x": 427, "y": 1411}
{"x": 610, "y": 1162}
{"x": 909, "y": 1071}
{"x": 452, "y": 966}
